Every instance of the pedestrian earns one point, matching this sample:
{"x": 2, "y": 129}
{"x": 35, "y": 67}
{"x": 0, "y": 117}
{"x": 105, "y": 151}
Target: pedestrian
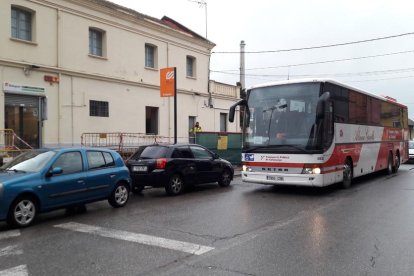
{"x": 196, "y": 128}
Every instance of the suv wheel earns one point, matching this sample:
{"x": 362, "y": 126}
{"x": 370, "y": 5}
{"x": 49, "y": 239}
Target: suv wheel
{"x": 175, "y": 185}
{"x": 225, "y": 178}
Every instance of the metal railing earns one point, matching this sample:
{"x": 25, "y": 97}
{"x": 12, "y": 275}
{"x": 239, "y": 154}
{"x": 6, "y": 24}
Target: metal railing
{"x": 11, "y": 144}
{"x": 124, "y": 143}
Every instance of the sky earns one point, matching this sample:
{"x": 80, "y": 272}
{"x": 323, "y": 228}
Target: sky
{"x": 379, "y": 66}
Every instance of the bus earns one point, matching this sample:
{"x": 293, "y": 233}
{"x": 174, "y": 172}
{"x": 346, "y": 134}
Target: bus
{"x": 317, "y": 132}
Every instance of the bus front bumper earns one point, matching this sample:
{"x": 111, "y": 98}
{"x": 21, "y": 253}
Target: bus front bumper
{"x": 314, "y": 180}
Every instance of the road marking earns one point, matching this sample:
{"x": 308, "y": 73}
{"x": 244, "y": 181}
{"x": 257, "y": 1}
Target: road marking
{"x": 186, "y": 247}
{"x": 9, "y": 234}
{"x": 10, "y": 250}
{"x": 20, "y": 270}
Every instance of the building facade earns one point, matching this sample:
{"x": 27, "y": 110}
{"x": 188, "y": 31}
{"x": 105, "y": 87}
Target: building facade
{"x": 69, "y": 67}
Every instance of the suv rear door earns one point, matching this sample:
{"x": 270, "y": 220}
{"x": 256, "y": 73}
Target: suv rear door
{"x": 183, "y": 161}
{"x": 207, "y": 169}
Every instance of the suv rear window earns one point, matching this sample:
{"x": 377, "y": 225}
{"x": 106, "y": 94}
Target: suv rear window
{"x": 150, "y": 152}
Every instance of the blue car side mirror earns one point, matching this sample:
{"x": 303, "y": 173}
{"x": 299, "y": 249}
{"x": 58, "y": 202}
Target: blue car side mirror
{"x": 54, "y": 171}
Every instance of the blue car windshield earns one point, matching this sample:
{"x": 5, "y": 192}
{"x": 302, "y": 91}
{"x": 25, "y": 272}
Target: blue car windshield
{"x": 31, "y": 161}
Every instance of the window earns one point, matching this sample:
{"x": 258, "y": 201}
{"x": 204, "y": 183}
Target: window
{"x": 150, "y": 56}
{"x": 151, "y": 120}
{"x": 99, "y": 159}
{"x": 357, "y": 108}
{"x": 96, "y": 42}
{"x": 109, "y": 160}
{"x": 95, "y": 160}
{"x": 390, "y": 115}
{"x": 374, "y": 112}
{"x": 191, "y": 64}
{"x": 340, "y": 97}
{"x": 69, "y": 162}
{"x": 201, "y": 153}
{"x": 98, "y": 108}
{"x": 182, "y": 152}
{"x": 150, "y": 152}
{"x": 223, "y": 122}
{"x": 21, "y": 24}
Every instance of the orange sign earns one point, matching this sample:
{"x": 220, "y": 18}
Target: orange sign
{"x": 167, "y": 82}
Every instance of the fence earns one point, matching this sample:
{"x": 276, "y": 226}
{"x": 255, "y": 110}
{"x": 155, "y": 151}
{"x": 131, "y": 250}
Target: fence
{"x": 226, "y": 144}
{"x": 124, "y": 143}
{"x": 11, "y": 144}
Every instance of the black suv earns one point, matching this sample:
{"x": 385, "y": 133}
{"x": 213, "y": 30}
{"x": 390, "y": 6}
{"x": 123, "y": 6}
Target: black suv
{"x": 175, "y": 166}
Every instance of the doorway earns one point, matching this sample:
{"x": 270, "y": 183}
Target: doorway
{"x": 191, "y": 123}
{"x": 22, "y": 115}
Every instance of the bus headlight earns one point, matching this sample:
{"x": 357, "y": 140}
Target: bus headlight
{"x": 311, "y": 169}
{"x": 246, "y": 168}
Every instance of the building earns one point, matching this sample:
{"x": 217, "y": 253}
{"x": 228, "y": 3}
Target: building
{"x": 69, "y": 67}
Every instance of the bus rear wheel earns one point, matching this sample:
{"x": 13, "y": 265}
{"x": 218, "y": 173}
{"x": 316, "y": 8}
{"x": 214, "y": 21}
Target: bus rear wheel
{"x": 396, "y": 163}
{"x": 347, "y": 177}
{"x": 389, "y": 164}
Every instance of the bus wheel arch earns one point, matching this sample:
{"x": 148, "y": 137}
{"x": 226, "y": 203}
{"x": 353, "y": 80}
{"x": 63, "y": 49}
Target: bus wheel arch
{"x": 348, "y": 173}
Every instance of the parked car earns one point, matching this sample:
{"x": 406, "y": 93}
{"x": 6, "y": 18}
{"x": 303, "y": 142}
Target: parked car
{"x": 175, "y": 166}
{"x": 411, "y": 151}
{"x": 47, "y": 179}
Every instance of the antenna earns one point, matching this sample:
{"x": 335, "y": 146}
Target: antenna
{"x": 202, "y": 3}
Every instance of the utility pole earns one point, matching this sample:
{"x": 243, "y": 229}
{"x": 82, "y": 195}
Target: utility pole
{"x": 242, "y": 66}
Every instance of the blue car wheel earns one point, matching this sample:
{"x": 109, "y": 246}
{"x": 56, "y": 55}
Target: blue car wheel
{"x": 119, "y": 196}
{"x": 22, "y": 212}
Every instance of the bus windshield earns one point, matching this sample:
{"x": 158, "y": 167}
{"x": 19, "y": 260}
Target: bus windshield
{"x": 282, "y": 117}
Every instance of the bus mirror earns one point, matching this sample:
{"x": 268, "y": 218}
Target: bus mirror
{"x": 320, "y": 108}
{"x": 242, "y": 102}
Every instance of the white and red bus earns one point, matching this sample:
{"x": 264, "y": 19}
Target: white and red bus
{"x": 319, "y": 132}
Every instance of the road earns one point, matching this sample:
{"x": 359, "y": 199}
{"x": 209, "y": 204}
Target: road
{"x": 244, "y": 229}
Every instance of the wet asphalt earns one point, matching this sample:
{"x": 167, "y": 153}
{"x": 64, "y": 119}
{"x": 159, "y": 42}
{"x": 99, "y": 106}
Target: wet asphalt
{"x": 252, "y": 230}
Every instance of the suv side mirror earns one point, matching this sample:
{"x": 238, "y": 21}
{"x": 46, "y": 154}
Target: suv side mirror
{"x": 216, "y": 156}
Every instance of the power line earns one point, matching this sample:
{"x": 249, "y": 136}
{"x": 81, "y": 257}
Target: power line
{"x": 379, "y": 72}
{"x": 318, "y": 62}
{"x": 315, "y": 47}
{"x": 405, "y": 77}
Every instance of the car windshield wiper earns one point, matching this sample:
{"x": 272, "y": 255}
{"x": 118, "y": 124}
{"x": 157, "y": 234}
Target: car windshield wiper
{"x": 15, "y": 170}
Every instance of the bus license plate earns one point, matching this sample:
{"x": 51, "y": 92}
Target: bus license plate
{"x": 274, "y": 178}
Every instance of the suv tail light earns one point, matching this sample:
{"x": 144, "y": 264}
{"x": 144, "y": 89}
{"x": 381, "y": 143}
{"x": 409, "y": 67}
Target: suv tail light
{"x": 161, "y": 163}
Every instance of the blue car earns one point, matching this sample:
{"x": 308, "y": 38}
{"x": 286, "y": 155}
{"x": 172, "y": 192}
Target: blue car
{"x": 47, "y": 179}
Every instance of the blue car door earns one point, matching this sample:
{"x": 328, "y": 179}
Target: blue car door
{"x": 69, "y": 187}
{"x": 101, "y": 173}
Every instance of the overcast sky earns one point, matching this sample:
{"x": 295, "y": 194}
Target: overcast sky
{"x": 270, "y": 25}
